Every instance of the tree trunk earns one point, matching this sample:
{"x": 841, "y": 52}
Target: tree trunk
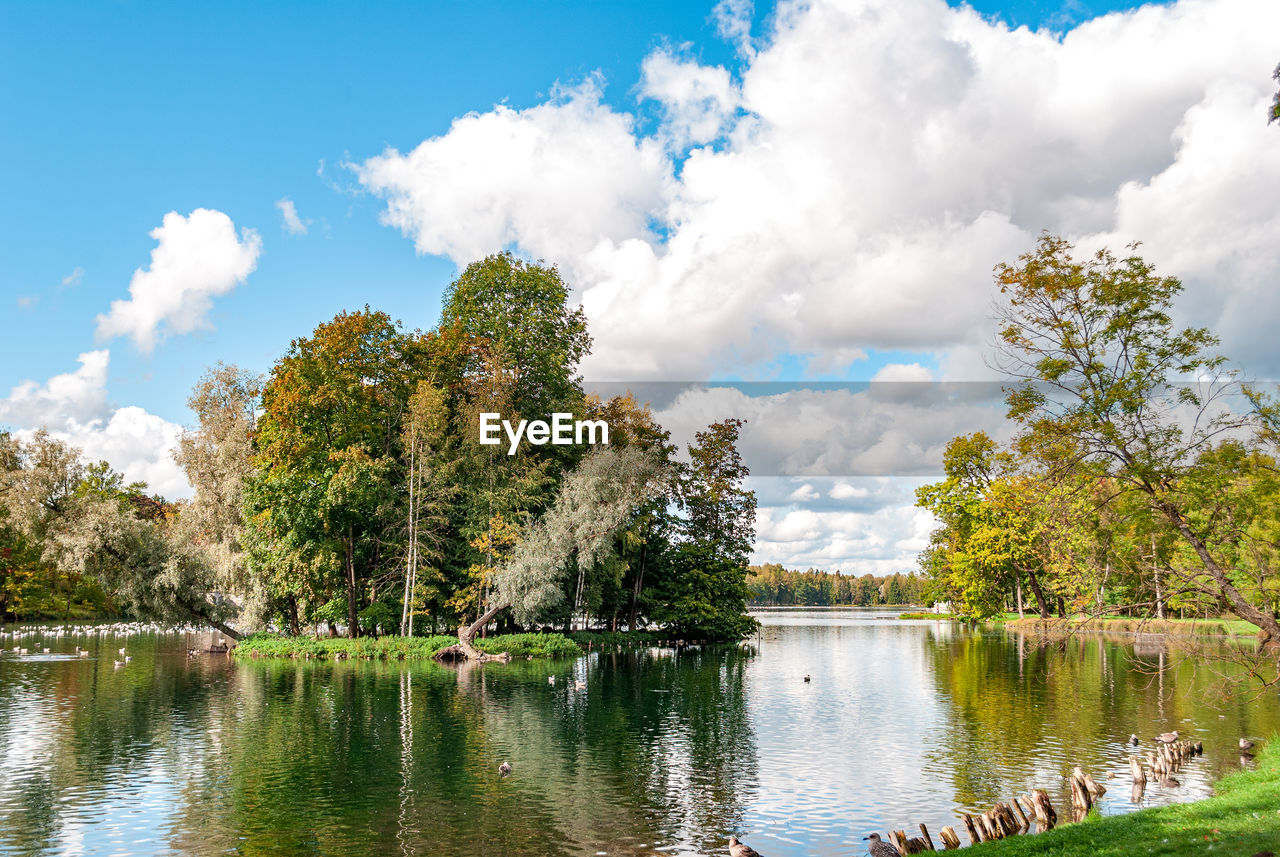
{"x": 639, "y": 585}
{"x": 353, "y": 617}
{"x": 294, "y": 627}
{"x": 227, "y": 630}
{"x": 1041, "y": 603}
{"x": 1240, "y": 605}
{"x": 467, "y": 636}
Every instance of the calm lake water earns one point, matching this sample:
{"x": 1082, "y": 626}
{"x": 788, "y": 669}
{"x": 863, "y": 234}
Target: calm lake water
{"x": 663, "y": 752}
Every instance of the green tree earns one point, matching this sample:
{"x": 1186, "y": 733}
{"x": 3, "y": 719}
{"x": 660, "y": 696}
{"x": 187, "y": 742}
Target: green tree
{"x": 327, "y": 456}
{"x": 705, "y": 590}
{"x": 520, "y": 312}
{"x": 1097, "y": 357}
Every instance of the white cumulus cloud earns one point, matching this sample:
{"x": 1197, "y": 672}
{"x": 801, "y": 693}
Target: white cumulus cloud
{"x": 196, "y": 258}
{"x": 853, "y": 183}
{"x": 73, "y": 407}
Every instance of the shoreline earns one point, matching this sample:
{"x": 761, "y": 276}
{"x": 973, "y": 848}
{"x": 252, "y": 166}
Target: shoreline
{"x": 1242, "y": 818}
{"x": 267, "y": 646}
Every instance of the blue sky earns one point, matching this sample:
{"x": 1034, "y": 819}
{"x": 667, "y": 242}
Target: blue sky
{"x": 821, "y": 198}
{"x": 118, "y": 113}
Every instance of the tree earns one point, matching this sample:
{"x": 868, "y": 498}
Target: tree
{"x": 705, "y": 590}
{"x": 1273, "y": 113}
{"x": 327, "y": 455}
{"x": 1097, "y": 357}
{"x": 425, "y": 443}
{"x": 520, "y": 311}
{"x": 217, "y": 458}
{"x": 594, "y": 499}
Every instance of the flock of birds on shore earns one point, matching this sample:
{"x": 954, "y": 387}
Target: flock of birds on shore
{"x": 38, "y": 636}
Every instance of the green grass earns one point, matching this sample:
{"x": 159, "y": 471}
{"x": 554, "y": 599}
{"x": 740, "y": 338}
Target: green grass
{"x": 1179, "y": 627}
{"x": 1242, "y": 818}
{"x": 924, "y": 615}
{"x": 400, "y": 648}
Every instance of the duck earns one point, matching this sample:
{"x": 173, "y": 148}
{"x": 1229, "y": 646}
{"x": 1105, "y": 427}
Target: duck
{"x": 880, "y": 848}
{"x": 1167, "y": 737}
{"x": 741, "y": 849}
{"x": 1246, "y": 745}
{"x": 504, "y": 769}
{"x": 1133, "y": 739}
{"x": 807, "y": 678}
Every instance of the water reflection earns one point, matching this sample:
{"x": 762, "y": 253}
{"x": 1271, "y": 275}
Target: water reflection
{"x": 661, "y": 751}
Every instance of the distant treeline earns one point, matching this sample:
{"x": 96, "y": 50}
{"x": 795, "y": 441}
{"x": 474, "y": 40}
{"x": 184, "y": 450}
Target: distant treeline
{"x": 772, "y": 585}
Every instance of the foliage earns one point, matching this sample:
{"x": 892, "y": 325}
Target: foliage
{"x": 348, "y": 489}
{"x": 391, "y": 648}
{"x": 1142, "y": 478}
{"x": 774, "y": 586}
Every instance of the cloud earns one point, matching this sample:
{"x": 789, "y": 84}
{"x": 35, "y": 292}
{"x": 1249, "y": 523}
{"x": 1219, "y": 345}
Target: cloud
{"x": 27, "y": 301}
{"x": 74, "y": 278}
{"x": 292, "y": 224}
{"x": 698, "y": 102}
{"x": 851, "y": 185}
{"x": 569, "y": 175}
{"x": 73, "y": 406}
{"x": 196, "y": 258}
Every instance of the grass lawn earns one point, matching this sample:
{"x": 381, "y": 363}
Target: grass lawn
{"x": 1243, "y": 818}
{"x": 1180, "y": 627}
{"x": 400, "y": 648}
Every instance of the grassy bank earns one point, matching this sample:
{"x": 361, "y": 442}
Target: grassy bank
{"x": 1119, "y": 624}
{"x": 400, "y": 648}
{"x": 1243, "y": 818}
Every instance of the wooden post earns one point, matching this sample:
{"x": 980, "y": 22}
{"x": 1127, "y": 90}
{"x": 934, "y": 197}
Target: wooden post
{"x": 928, "y": 840}
{"x": 1046, "y": 816}
{"x": 1135, "y": 768}
{"x": 1095, "y": 789}
{"x": 950, "y": 840}
{"x": 974, "y": 836}
{"x": 1024, "y": 823}
{"x": 899, "y": 840}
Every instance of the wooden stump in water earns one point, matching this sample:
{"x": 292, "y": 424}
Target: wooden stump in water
{"x": 1135, "y": 768}
{"x": 974, "y": 836}
{"x": 899, "y": 840}
{"x": 1024, "y": 823}
{"x": 950, "y": 840}
{"x": 1135, "y": 794}
{"x": 928, "y": 840}
{"x": 1081, "y": 800}
{"x": 1095, "y": 789}
{"x": 1046, "y": 816}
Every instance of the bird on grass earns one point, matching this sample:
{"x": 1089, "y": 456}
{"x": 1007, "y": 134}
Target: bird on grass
{"x": 739, "y": 849}
{"x": 879, "y": 848}
{"x": 504, "y": 769}
{"x": 1167, "y": 737}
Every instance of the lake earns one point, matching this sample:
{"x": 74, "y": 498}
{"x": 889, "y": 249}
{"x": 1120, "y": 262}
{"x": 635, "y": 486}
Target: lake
{"x": 664, "y": 751}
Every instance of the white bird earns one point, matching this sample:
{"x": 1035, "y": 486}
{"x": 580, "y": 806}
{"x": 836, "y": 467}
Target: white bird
{"x": 551, "y": 679}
